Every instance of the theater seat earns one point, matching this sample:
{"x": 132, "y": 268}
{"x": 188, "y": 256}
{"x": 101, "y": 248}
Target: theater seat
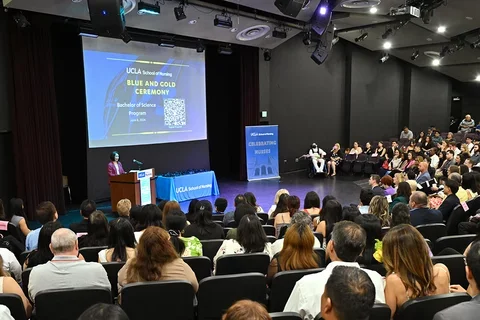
{"x": 380, "y": 311}
{"x": 25, "y": 281}
{"x": 263, "y": 216}
{"x": 271, "y": 239}
{"x": 269, "y": 230}
{"x": 425, "y": 308}
{"x": 210, "y": 248}
{"x": 91, "y": 253}
{"x": 432, "y": 231}
{"x": 201, "y": 266}
{"x": 15, "y": 304}
{"x": 458, "y": 243}
{"x": 456, "y": 266}
{"x": 159, "y": 300}
{"x": 242, "y": 263}
{"x": 285, "y": 316}
{"x": 112, "y": 269}
{"x": 216, "y": 294}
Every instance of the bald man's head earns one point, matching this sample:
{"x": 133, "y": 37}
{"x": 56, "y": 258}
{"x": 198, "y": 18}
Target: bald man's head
{"x": 418, "y": 199}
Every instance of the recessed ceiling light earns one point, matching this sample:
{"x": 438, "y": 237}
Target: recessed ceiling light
{"x": 373, "y": 10}
{"x": 477, "y": 78}
{"x": 192, "y": 21}
{"x": 334, "y": 28}
{"x": 469, "y": 18}
{"x": 268, "y": 36}
{"x": 435, "y": 62}
{"x": 441, "y": 29}
{"x": 76, "y": 1}
{"x": 233, "y": 30}
{"x": 387, "y": 45}
{"x": 429, "y": 39}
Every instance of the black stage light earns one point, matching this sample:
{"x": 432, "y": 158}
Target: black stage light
{"x": 307, "y": 38}
{"x": 267, "y": 55}
{"x": 225, "y": 49}
{"x": 384, "y": 58}
{"x": 362, "y": 37}
{"x": 415, "y": 55}
{"x": 223, "y": 21}
{"x": 387, "y": 33}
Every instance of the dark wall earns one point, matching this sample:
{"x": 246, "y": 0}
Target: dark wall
{"x": 307, "y": 101}
{"x": 375, "y": 94}
{"x": 430, "y": 100}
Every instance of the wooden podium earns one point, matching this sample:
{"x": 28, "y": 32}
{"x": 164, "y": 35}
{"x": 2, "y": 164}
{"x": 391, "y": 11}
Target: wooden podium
{"x": 127, "y": 186}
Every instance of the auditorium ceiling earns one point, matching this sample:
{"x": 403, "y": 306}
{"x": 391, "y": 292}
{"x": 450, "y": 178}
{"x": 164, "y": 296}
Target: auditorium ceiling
{"x": 461, "y": 19}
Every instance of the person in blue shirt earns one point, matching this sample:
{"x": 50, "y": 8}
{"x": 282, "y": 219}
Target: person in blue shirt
{"x": 45, "y": 212}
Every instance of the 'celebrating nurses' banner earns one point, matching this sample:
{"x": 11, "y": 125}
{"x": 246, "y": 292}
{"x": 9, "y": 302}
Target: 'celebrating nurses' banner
{"x": 262, "y": 152}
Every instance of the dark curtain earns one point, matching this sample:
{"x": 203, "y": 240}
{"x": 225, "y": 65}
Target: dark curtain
{"x": 250, "y": 98}
{"x": 36, "y": 140}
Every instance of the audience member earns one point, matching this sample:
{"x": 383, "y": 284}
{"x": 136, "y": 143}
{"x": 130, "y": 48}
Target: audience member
{"x": 423, "y": 176}
{"x": 374, "y": 182}
{"x": 8, "y": 285}
{"x": 282, "y": 205}
{"x": 86, "y": 209}
{"x": 151, "y": 216}
{"x": 387, "y": 182}
{"x": 241, "y": 210}
{"x": 283, "y": 219}
{"x": 349, "y": 213}
{"x": 366, "y": 196}
{"x": 162, "y": 203}
{"x": 121, "y": 242}
{"x": 123, "y": 208}
{"x": 311, "y": 203}
{"x": 170, "y": 205}
{"x": 251, "y": 238}
{"x": 66, "y": 269}
{"x": 136, "y": 217}
{"x": 437, "y": 138}
{"x": 402, "y": 196}
{"x": 251, "y": 200}
{"x": 406, "y": 134}
{"x": 420, "y": 213}
{"x": 185, "y": 246}
{"x": 228, "y": 217}
{"x": 332, "y": 213}
{"x": 434, "y": 159}
{"x": 349, "y": 295}
{"x": 42, "y": 254}
{"x": 220, "y": 205}
{"x": 400, "y": 215}
{"x": 348, "y": 242}
{"x": 191, "y": 210}
{"x": 467, "y": 124}
{"x": 203, "y": 227}
{"x": 10, "y": 264}
{"x": 97, "y": 231}
{"x": 336, "y": 156}
{"x": 103, "y": 311}
{"x": 275, "y": 200}
{"x": 410, "y": 272}
{"x": 461, "y": 193}
{"x": 451, "y": 201}
{"x": 469, "y": 184}
{"x": 297, "y": 252}
{"x": 373, "y": 229}
{"x": 449, "y": 161}
{"x": 16, "y": 215}
{"x": 397, "y": 178}
{"x": 246, "y": 310}
{"x": 156, "y": 260}
{"x": 45, "y": 212}
{"x": 379, "y": 208}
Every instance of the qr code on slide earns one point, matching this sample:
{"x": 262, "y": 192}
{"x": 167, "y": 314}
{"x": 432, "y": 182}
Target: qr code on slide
{"x": 175, "y": 112}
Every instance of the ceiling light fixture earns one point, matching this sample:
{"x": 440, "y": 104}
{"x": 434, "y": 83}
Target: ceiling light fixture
{"x": 415, "y": 55}
{"x": 267, "y": 55}
{"x": 435, "y": 62}
{"x": 477, "y": 78}
{"x": 223, "y": 20}
{"x": 307, "y": 38}
{"x": 335, "y": 40}
{"x": 384, "y": 58}
{"x": 475, "y": 44}
{"x": 387, "y": 33}
{"x": 441, "y": 29}
{"x": 387, "y": 45}
{"x": 200, "y": 47}
{"x": 147, "y": 8}
{"x": 373, "y": 10}
{"x": 362, "y": 37}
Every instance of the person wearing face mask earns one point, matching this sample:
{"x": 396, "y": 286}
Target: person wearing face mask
{"x": 317, "y": 154}
{"x": 115, "y": 167}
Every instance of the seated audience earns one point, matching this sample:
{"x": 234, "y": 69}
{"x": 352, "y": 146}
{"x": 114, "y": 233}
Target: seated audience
{"x": 466, "y": 125}
{"x": 251, "y": 200}
{"x": 17, "y": 216}
{"x": 397, "y": 178}
{"x": 373, "y": 229}
{"x": 123, "y": 208}
{"x": 121, "y": 242}
{"x": 136, "y": 217}
{"x": 103, "y": 311}
{"x": 203, "y": 227}
{"x": 297, "y": 252}
{"x": 349, "y": 213}
{"x": 191, "y": 214}
{"x": 469, "y": 184}
{"x": 437, "y": 138}
{"x": 275, "y": 200}
{"x": 45, "y": 212}
{"x": 400, "y": 215}
{"x": 220, "y": 205}
{"x": 97, "y": 231}
{"x": 332, "y": 213}
{"x": 410, "y": 272}
{"x": 241, "y": 210}
{"x": 411, "y": 180}
{"x": 228, "y": 217}
{"x": 461, "y": 193}
{"x": 379, "y": 208}
{"x": 251, "y": 238}
{"x": 451, "y": 201}
{"x": 185, "y": 246}
{"x": 150, "y": 216}
{"x": 317, "y": 220}
{"x": 402, "y": 196}
{"x": 66, "y": 269}
{"x": 8, "y": 285}
{"x": 366, "y": 196}
{"x": 311, "y": 203}
{"x": 387, "y": 183}
{"x": 246, "y": 310}
{"x": 368, "y": 149}
{"x": 86, "y": 209}
{"x": 467, "y": 310}
{"x": 156, "y": 260}
{"x": 298, "y": 218}
{"x": 423, "y": 175}
{"x": 420, "y": 213}
{"x": 349, "y": 295}
{"x": 10, "y": 264}
{"x": 283, "y": 219}
{"x": 374, "y": 182}
{"x": 170, "y": 205}
{"x": 282, "y": 206}
{"x": 406, "y": 134}
{"x": 42, "y": 254}
{"x": 348, "y": 242}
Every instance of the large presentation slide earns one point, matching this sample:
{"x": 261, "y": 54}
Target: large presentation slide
{"x": 140, "y": 93}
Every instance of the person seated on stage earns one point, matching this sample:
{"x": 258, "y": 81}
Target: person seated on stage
{"x": 17, "y": 215}
{"x": 86, "y": 209}
{"x": 121, "y": 242}
{"x": 170, "y": 205}
{"x": 203, "y": 227}
{"x": 356, "y": 149}
{"x": 185, "y": 246}
{"x": 317, "y": 154}
{"x": 228, "y": 217}
{"x": 220, "y": 205}
{"x": 275, "y": 201}
{"x": 251, "y": 238}
{"x": 42, "y": 254}
{"x": 241, "y": 210}
{"x": 311, "y": 204}
{"x": 123, "y": 208}
{"x": 251, "y": 200}
{"x": 115, "y": 167}
{"x": 45, "y": 212}
{"x": 97, "y": 231}
{"x": 336, "y": 156}
{"x": 150, "y": 216}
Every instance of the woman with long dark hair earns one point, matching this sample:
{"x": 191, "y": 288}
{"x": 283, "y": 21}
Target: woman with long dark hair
{"x": 42, "y": 254}
{"x": 373, "y": 228}
{"x": 404, "y": 191}
{"x": 282, "y": 205}
{"x": 185, "y": 246}
{"x": 332, "y": 213}
{"x": 203, "y": 226}
{"x": 192, "y": 210}
{"x": 283, "y": 219}
{"x": 251, "y": 200}
{"x": 121, "y": 242}
{"x": 311, "y": 203}
{"x": 150, "y": 216}
{"x": 97, "y": 231}
{"x": 16, "y": 215}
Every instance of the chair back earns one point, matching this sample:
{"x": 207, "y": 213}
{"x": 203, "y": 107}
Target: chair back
{"x": 23, "y": 256}
{"x": 220, "y": 223}
{"x": 242, "y": 263}
{"x": 285, "y": 316}
{"x": 66, "y": 304}
{"x": 225, "y": 231}
{"x": 456, "y": 267}
{"x": 15, "y": 304}
{"x": 25, "y": 280}
{"x": 154, "y": 299}
{"x": 432, "y": 231}
{"x": 282, "y": 232}
{"x": 112, "y": 269}
{"x": 458, "y": 243}
{"x": 263, "y": 216}
{"x": 216, "y": 294}
{"x": 270, "y": 222}
{"x": 319, "y": 236}
{"x": 380, "y": 311}
{"x": 269, "y": 230}
{"x": 91, "y": 253}
{"x": 217, "y": 217}
{"x": 427, "y": 307}
{"x": 201, "y": 266}
{"x": 271, "y": 239}
{"x": 210, "y": 248}
{"x": 282, "y": 285}
{"x": 231, "y": 224}
{"x": 460, "y": 215}
{"x": 321, "y": 256}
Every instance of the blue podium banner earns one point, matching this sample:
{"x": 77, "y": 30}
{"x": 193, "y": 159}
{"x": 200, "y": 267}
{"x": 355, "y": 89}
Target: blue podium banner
{"x": 187, "y": 187}
{"x": 262, "y": 152}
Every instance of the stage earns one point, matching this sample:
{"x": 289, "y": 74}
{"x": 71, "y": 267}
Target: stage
{"x": 345, "y": 188}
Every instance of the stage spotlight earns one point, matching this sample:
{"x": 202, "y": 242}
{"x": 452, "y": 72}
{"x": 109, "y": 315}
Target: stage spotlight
{"x": 323, "y": 10}
{"x": 387, "y": 45}
{"x": 387, "y": 33}
{"x": 415, "y": 55}
{"x": 435, "y": 62}
{"x": 477, "y": 78}
{"x": 373, "y": 10}
{"x": 167, "y": 43}
{"x": 21, "y": 20}
{"x": 441, "y": 29}
{"x": 475, "y": 45}
{"x": 362, "y": 37}
{"x": 384, "y": 58}
{"x": 335, "y": 40}
{"x": 225, "y": 49}
{"x": 180, "y": 12}
{"x": 200, "y": 47}
{"x": 307, "y": 38}
{"x": 223, "y": 21}
{"x": 267, "y": 55}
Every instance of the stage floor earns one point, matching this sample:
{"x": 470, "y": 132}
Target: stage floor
{"x": 345, "y": 188}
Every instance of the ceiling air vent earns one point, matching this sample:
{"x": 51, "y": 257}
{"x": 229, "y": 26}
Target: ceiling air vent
{"x": 253, "y": 33}
{"x": 360, "y": 4}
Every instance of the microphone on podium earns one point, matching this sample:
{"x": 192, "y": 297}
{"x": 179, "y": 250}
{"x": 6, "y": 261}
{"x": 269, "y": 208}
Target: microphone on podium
{"x": 138, "y": 163}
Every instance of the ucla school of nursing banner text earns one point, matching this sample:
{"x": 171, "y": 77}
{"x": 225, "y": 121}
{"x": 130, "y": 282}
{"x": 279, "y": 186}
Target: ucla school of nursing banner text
{"x": 262, "y": 152}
